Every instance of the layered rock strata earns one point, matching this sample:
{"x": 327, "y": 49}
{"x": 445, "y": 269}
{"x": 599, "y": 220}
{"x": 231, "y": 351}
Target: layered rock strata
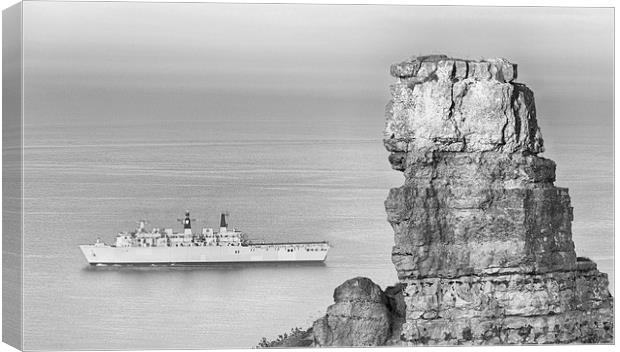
{"x": 482, "y": 235}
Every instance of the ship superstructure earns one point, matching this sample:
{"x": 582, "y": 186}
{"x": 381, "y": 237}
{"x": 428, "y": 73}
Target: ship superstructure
{"x": 208, "y": 246}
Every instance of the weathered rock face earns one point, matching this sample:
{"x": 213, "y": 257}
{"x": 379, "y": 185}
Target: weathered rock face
{"x": 362, "y": 315}
{"x": 482, "y": 236}
{"x": 457, "y": 105}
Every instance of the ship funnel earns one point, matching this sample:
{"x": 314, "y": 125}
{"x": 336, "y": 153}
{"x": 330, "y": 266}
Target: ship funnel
{"x": 223, "y": 223}
{"x": 187, "y": 223}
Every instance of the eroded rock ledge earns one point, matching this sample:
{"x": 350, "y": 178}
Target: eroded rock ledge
{"x": 483, "y": 237}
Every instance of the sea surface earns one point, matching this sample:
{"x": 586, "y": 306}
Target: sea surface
{"x": 84, "y": 182}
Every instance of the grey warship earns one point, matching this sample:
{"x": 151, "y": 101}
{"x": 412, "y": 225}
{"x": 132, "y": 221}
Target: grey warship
{"x": 227, "y": 245}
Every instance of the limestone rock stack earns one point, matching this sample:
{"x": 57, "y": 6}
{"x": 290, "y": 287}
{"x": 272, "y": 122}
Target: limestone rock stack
{"x": 482, "y": 236}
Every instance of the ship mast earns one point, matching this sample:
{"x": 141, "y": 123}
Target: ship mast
{"x": 187, "y": 224}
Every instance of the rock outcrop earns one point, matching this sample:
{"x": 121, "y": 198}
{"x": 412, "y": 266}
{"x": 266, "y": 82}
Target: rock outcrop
{"x": 362, "y": 315}
{"x": 483, "y": 239}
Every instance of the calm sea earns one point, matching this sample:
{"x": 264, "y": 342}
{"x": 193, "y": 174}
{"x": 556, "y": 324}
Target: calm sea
{"x": 88, "y": 181}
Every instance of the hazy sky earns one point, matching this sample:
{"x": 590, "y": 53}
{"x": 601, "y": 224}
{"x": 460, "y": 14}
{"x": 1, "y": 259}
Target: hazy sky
{"x": 194, "y": 62}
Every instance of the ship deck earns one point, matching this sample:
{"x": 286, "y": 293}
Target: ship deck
{"x": 282, "y": 243}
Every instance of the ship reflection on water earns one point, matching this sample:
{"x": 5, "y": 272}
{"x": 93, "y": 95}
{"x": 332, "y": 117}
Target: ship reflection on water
{"x": 129, "y": 268}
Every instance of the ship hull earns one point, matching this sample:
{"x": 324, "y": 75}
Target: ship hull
{"x": 203, "y": 254}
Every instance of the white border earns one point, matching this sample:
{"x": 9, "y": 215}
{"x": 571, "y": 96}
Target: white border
{"x": 507, "y": 3}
